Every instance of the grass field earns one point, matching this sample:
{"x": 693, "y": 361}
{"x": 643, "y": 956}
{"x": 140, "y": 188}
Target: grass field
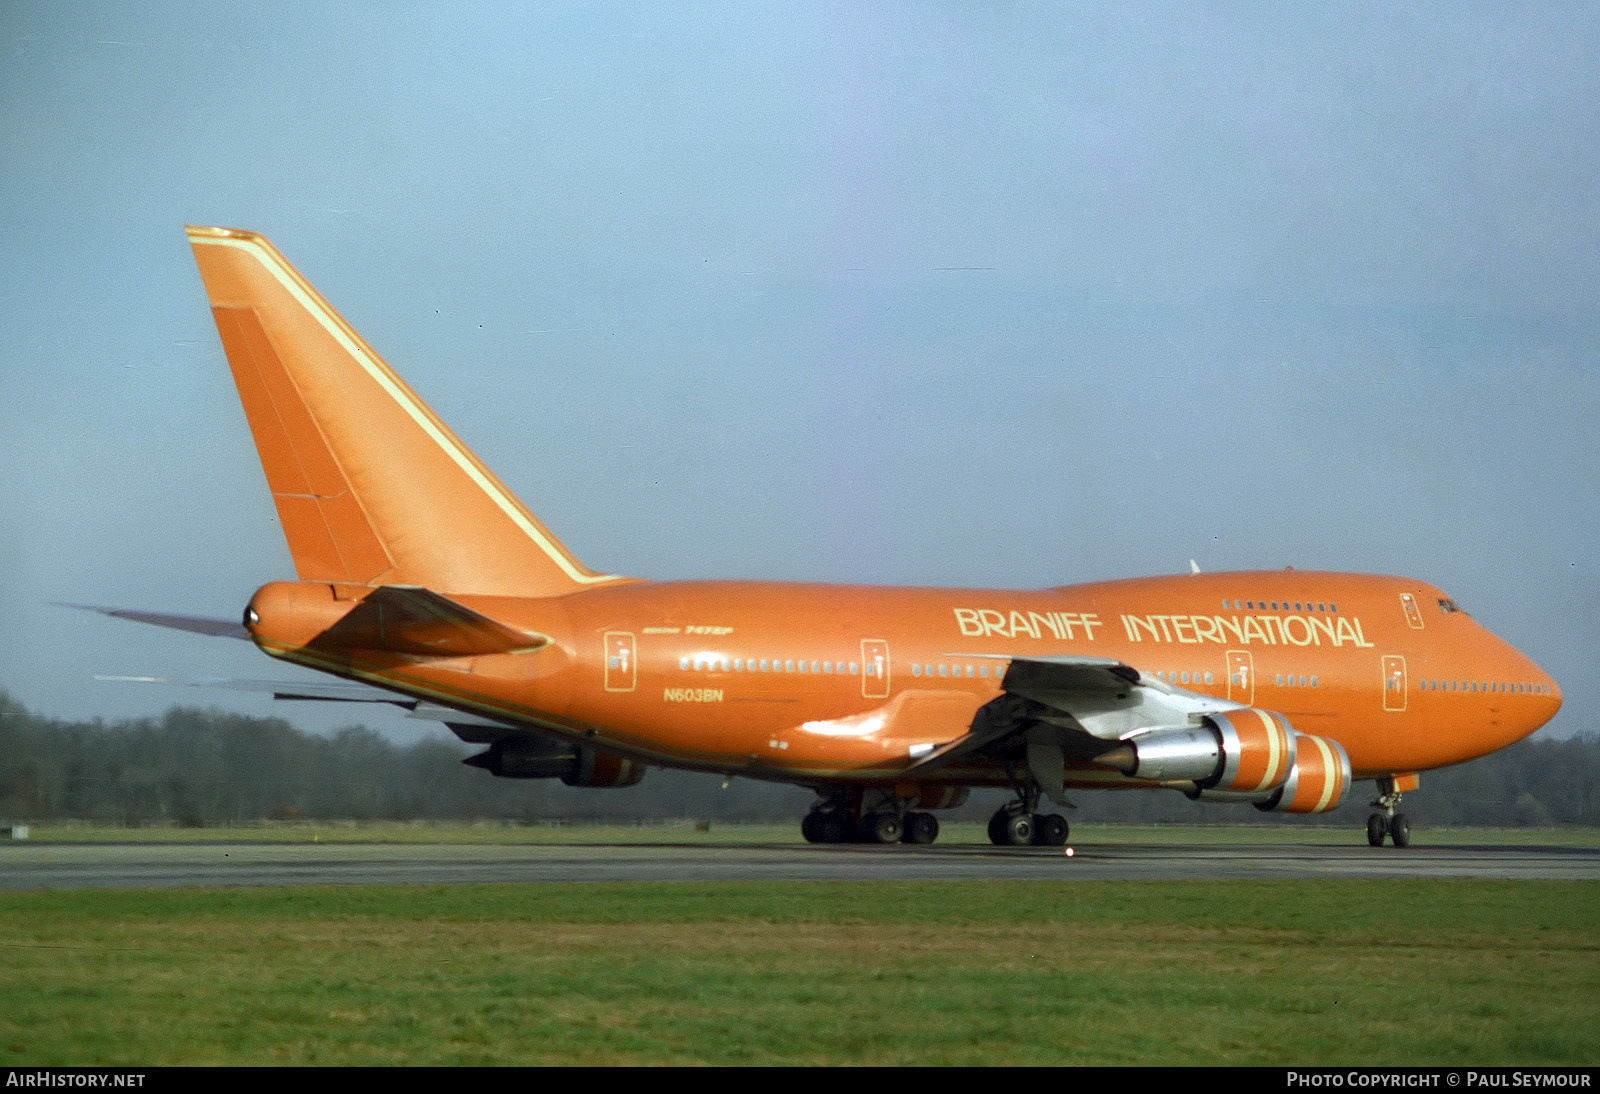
{"x": 1005, "y": 972}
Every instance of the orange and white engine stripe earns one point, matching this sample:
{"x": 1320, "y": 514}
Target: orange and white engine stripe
{"x": 1319, "y": 780}
{"x": 1258, "y": 746}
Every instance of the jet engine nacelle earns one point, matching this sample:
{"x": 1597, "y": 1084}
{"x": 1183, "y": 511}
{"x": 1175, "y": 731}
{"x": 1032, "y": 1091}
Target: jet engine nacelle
{"x": 575, "y": 765}
{"x": 1233, "y": 752}
{"x": 1245, "y": 755}
{"x": 597, "y": 768}
{"x": 1318, "y": 781}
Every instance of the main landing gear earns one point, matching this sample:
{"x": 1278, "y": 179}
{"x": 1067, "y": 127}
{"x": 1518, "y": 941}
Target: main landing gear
{"x": 1387, "y": 822}
{"x": 867, "y": 817}
{"x": 1018, "y": 823}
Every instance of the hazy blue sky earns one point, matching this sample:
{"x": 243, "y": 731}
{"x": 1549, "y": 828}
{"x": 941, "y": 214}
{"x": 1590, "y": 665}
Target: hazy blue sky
{"x": 1008, "y": 295}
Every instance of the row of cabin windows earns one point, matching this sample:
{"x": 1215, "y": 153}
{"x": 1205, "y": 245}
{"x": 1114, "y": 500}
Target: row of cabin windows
{"x": 829, "y": 668}
{"x": 1183, "y": 677}
{"x": 1275, "y": 605}
{"x": 1484, "y": 687}
{"x": 1289, "y": 680}
{"x": 981, "y": 672}
{"x": 705, "y": 663}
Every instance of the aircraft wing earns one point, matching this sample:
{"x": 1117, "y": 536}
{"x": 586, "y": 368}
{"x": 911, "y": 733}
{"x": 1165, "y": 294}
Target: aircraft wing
{"x": 1057, "y": 709}
{"x": 314, "y": 690}
{"x": 347, "y": 691}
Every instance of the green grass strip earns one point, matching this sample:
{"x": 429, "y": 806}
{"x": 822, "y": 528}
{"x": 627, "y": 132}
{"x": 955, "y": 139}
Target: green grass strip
{"x": 1005, "y": 972}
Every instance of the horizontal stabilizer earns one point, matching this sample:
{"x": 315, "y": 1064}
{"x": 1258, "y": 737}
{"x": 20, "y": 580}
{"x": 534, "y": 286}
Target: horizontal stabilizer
{"x": 409, "y": 619}
{"x": 220, "y": 628}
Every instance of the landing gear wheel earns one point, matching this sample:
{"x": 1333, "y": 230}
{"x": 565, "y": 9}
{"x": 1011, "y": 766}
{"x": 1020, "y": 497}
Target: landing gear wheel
{"x": 1050, "y": 830}
{"x": 1388, "y": 821}
{"x": 879, "y": 828}
{"x": 831, "y": 827}
{"x": 921, "y": 828}
{"x": 808, "y": 828}
{"x": 1019, "y": 829}
{"x": 997, "y": 827}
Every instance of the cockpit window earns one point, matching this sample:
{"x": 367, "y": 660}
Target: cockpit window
{"x": 1446, "y": 605}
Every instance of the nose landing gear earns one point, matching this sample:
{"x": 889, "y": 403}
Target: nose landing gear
{"x": 1387, "y": 822}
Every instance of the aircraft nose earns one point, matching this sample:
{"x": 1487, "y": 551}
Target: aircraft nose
{"x": 1552, "y": 692}
{"x": 1546, "y": 697}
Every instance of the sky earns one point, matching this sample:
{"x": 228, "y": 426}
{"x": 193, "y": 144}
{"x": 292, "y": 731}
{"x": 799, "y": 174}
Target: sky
{"x": 1005, "y": 295}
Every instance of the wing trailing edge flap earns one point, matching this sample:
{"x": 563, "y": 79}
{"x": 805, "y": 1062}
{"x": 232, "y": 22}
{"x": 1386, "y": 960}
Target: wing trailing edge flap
{"x": 414, "y": 620}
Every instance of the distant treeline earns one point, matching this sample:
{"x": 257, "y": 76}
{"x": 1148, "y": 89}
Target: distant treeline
{"x": 209, "y": 767}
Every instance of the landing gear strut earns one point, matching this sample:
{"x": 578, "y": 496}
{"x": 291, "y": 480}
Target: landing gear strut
{"x": 1387, "y": 822}
{"x": 1018, "y": 823}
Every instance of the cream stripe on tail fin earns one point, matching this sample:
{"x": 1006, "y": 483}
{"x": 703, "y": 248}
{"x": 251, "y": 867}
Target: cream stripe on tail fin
{"x": 371, "y": 487}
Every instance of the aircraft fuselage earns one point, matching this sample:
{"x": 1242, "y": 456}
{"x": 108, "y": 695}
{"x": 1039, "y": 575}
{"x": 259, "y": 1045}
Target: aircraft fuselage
{"x": 761, "y": 678}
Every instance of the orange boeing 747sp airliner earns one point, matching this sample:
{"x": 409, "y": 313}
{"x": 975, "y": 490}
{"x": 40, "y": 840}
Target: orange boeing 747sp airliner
{"x": 421, "y": 575}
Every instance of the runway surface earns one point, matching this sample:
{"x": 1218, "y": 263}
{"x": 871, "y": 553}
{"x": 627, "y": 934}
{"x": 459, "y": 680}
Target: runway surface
{"x": 183, "y": 865}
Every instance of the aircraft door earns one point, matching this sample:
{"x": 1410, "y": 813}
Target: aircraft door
{"x": 621, "y": 661}
{"x": 874, "y": 668}
{"x": 1394, "y": 682}
{"x": 1413, "y": 615}
{"x": 1242, "y": 677}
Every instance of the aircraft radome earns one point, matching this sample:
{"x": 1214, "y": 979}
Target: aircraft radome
{"x": 423, "y": 582}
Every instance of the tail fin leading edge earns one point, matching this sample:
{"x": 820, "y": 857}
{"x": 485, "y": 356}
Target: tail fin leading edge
{"x": 372, "y": 488}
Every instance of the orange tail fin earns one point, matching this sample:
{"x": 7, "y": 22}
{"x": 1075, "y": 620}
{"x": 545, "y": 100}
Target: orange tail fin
{"x": 372, "y": 488}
